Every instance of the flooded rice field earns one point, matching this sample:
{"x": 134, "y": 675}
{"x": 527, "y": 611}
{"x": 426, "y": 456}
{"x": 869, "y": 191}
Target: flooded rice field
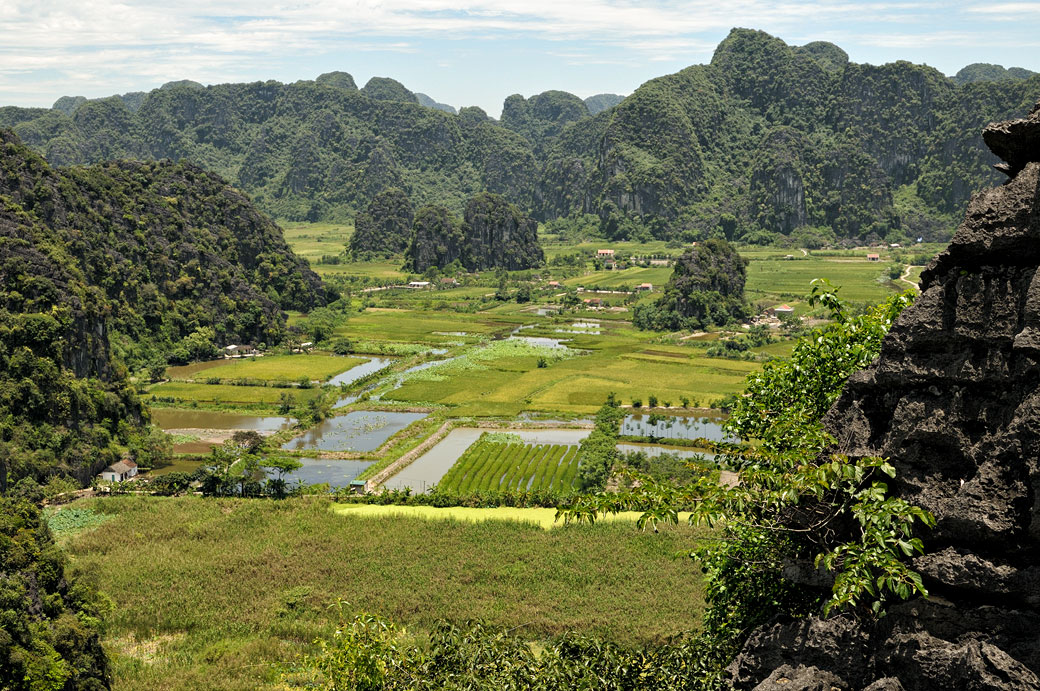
{"x": 654, "y": 450}
{"x": 335, "y": 472}
{"x": 428, "y": 469}
{"x": 674, "y": 427}
{"x": 361, "y": 430}
{"x": 176, "y": 418}
{"x": 374, "y": 364}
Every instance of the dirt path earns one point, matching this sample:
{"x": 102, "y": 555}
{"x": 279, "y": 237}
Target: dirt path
{"x": 906, "y": 272}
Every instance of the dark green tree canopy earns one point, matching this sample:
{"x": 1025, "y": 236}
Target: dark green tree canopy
{"x": 50, "y": 620}
{"x": 706, "y": 287}
{"x": 437, "y": 240}
{"x": 385, "y": 226}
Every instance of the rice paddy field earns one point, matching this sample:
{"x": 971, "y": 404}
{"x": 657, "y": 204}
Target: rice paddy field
{"x": 221, "y": 593}
{"x": 284, "y": 368}
{"x": 428, "y": 327}
{"x": 185, "y": 393}
{"x": 859, "y": 279}
{"x": 312, "y": 241}
{"x": 617, "y": 360}
{"x": 503, "y": 467}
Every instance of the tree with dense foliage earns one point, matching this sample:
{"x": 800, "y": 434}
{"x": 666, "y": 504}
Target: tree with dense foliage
{"x": 805, "y": 529}
{"x": 597, "y": 452}
{"x": 706, "y": 288}
{"x": 50, "y": 619}
{"x": 385, "y": 226}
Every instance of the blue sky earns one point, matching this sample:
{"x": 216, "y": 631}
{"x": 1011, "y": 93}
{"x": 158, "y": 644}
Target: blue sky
{"x": 466, "y": 52}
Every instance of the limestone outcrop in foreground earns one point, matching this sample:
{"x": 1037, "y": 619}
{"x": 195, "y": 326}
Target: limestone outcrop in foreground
{"x": 954, "y": 402}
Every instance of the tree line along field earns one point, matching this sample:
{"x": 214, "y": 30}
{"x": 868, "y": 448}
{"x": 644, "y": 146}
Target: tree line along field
{"x": 222, "y": 593}
{"x": 498, "y": 466}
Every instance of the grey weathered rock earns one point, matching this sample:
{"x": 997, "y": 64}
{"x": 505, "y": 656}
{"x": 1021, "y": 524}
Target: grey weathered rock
{"x": 954, "y": 402}
{"x": 787, "y": 678}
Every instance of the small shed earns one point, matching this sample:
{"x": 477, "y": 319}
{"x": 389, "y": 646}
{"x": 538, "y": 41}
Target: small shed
{"x": 873, "y": 257}
{"x": 593, "y": 302}
{"x": 357, "y": 486}
{"x": 449, "y": 282}
{"x": 610, "y": 264}
{"x": 554, "y": 284}
{"x": 645, "y": 287}
{"x": 783, "y": 309}
{"x": 418, "y": 284}
{"x": 119, "y": 472}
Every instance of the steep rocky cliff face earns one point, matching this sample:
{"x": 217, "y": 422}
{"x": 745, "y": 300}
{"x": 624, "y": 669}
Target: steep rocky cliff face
{"x": 493, "y": 234}
{"x": 954, "y": 402}
{"x": 170, "y": 247}
{"x": 500, "y": 235}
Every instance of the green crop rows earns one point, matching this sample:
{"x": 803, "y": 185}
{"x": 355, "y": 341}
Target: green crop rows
{"x": 497, "y": 466}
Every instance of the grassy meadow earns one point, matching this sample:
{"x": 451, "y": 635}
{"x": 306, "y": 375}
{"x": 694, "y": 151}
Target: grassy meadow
{"x": 312, "y": 241}
{"x": 215, "y": 593}
{"x": 860, "y": 280}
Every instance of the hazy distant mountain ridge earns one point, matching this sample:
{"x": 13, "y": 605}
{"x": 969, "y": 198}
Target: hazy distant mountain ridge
{"x": 986, "y": 72}
{"x": 766, "y": 140}
{"x": 601, "y": 102}
{"x": 430, "y": 103}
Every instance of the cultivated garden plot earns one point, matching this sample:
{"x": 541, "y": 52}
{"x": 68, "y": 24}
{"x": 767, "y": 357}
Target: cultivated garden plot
{"x": 513, "y": 467}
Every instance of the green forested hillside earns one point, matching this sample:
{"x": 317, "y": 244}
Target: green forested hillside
{"x": 119, "y": 265}
{"x": 767, "y": 140}
{"x": 770, "y": 138}
{"x": 493, "y": 233}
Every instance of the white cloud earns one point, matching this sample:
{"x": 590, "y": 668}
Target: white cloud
{"x": 112, "y": 43}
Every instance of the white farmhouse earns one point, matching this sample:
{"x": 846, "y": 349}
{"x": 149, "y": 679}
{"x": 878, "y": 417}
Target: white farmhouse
{"x": 119, "y": 472}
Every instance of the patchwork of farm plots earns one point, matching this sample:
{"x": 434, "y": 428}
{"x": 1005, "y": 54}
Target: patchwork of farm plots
{"x": 506, "y": 467}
